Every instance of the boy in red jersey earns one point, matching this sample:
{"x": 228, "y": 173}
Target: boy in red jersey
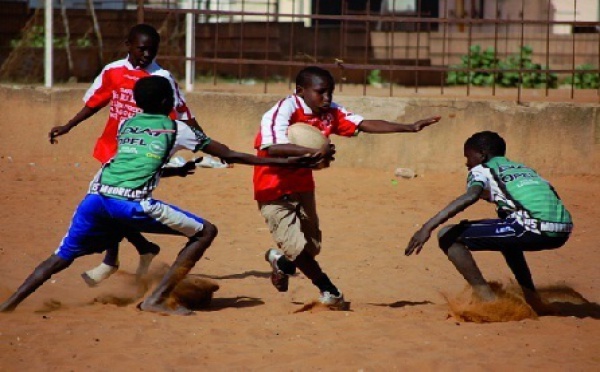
{"x": 114, "y": 87}
{"x": 286, "y": 197}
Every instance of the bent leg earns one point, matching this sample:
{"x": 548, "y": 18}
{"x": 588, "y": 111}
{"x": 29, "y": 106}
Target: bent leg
{"x": 463, "y": 261}
{"x": 186, "y": 259}
{"x": 517, "y": 264}
{"x": 141, "y": 244}
{"x": 311, "y": 268}
{"x": 145, "y": 248}
{"x": 110, "y": 264}
{"x": 39, "y": 276}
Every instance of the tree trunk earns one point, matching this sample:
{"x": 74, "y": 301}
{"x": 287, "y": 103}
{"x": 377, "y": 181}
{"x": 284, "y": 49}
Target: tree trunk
{"x": 63, "y": 13}
{"x": 90, "y": 4}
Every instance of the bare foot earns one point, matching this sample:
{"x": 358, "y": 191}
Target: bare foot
{"x": 162, "y": 308}
{"x": 6, "y": 308}
{"x": 484, "y": 293}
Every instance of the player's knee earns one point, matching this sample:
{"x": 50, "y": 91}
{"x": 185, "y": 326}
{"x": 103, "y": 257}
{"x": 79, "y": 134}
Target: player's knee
{"x": 49, "y": 267}
{"x": 446, "y": 237}
{"x": 209, "y": 231}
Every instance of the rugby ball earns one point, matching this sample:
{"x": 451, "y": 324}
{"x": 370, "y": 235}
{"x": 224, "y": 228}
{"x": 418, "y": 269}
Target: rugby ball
{"x": 306, "y": 135}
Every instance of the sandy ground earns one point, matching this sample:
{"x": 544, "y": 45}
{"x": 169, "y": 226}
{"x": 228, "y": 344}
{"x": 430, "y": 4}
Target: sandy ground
{"x": 399, "y": 318}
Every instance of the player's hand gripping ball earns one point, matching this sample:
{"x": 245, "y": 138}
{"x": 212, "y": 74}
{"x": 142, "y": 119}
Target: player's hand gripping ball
{"x": 306, "y": 135}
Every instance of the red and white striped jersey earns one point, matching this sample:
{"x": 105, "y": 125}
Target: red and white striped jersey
{"x": 270, "y": 183}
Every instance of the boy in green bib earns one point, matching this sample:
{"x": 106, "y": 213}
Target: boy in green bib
{"x": 532, "y": 217}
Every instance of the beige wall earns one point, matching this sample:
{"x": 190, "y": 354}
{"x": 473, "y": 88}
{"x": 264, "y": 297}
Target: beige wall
{"x": 554, "y": 138}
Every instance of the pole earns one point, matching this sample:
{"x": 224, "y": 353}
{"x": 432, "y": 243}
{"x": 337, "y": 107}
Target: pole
{"x": 48, "y": 56}
{"x": 190, "y": 32}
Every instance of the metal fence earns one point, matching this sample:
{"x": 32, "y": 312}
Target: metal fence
{"x": 470, "y": 54}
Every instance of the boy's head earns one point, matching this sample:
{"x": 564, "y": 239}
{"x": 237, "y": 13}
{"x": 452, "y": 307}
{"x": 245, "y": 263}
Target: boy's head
{"x": 482, "y": 146}
{"x": 315, "y": 85}
{"x": 154, "y": 95}
{"x": 142, "y": 43}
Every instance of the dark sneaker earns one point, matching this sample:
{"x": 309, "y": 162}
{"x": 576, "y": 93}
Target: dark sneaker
{"x": 279, "y": 279}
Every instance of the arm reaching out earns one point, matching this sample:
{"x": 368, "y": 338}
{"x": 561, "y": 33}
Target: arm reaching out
{"x": 382, "y": 126}
{"x": 461, "y": 203}
{"x": 85, "y": 113}
{"x": 230, "y": 156}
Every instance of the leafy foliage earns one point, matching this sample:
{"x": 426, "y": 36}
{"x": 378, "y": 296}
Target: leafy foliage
{"x": 522, "y": 61}
{"x": 374, "y": 77}
{"x": 584, "y": 79}
{"x": 487, "y": 60}
{"x": 476, "y": 59}
{"x": 35, "y": 38}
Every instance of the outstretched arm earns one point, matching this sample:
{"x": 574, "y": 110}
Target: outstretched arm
{"x": 82, "y": 115}
{"x": 382, "y": 126}
{"x": 230, "y": 156}
{"x": 461, "y": 203}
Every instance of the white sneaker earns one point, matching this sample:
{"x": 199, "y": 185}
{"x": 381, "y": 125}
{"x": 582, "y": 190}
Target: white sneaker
{"x": 94, "y": 276}
{"x": 209, "y": 162}
{"x": 334, "y": 302}
{"x": 175, "y": 162}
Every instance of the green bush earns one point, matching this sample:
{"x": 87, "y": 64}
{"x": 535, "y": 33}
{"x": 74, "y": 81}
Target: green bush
{"x": 584, "y": 79}
{"x": 476, "y": 59}
{"x": 534, "y": 79}
{"x": 35, "y": 38}
{"x": 486, "y": 60}
{"x": 375, "y": 78}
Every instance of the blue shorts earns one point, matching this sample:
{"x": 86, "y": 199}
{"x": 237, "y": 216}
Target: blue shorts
{"x": 499, "y": 235}
{"x": 100, "y": 223}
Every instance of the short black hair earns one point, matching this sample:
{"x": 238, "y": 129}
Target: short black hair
{"x": 150, "y": 93}
{"x": 304, "y": 77}
{"x": 487, "y": 142}
{"x": 143, "y": 29}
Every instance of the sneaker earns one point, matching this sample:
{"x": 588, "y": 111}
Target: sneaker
{"x": 94, "y": 276}
{"x": 209, "y": 162}
{"x": 334, "y": 302}
{"x": 279, "y": 279}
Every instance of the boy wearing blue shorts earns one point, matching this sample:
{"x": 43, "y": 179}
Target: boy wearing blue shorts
{"x": 532, "y": 217}
{"x": 120, "y": 200}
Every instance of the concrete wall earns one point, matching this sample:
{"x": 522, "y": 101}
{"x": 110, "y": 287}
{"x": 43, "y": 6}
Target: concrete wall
{"x": 554, "y": 138}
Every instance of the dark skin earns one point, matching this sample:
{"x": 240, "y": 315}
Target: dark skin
{"x": 318, "y": 95}
{"x": 461, "y": 256}
{"x": 457, "y": 253}
{"x": 187, "y": 257}
{"x": 142, "y": 50}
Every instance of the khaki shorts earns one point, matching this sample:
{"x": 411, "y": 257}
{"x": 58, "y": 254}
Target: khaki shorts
{"x": 294, "y": 224}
